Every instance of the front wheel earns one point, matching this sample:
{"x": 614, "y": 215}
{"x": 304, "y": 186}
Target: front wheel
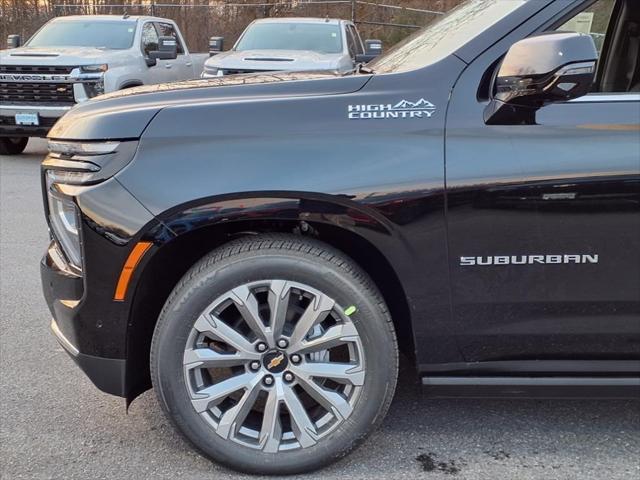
{"x": 13, "y": 145}
{"x": 275, "y": 355}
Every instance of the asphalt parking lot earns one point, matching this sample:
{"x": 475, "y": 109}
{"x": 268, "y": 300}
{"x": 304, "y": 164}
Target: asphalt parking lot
{"x": 55, "y": 425}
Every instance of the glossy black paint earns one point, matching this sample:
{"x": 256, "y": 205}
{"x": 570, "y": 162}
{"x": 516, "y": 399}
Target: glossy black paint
{"x": 568, "y": 184}
{"x": 125, "y": 114}
{"x": 112, "y": 219}
{"x": 404, "y": 197}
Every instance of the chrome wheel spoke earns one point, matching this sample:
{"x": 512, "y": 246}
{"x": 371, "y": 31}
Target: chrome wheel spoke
{"x": 334, "y": 336}
{"x": 316, "y": 312}
{"x": 278, "y": 304}
{"x": 216, "y": 393}
{"x": 328, "y": 399}
{"x": 271, "y": 430}
{"x": 218, "y": 330}
{"x": 339, "y": 372}
{"x": 247, "y": 304}
{"x": 232, "y": 419}
{"x": 208, "y": 358}
{"x": 302, "y": 426}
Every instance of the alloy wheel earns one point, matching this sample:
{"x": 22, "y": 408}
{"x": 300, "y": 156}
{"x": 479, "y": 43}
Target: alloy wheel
{"x": 274, "y": 365}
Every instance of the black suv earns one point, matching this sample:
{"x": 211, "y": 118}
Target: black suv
{"x": 260, "y": 248}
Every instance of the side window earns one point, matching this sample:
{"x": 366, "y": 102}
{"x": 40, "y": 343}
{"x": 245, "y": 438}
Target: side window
{"x": 356, "y": 39}
{"x": 617, "y": 40}
{"x": 149, "y": 38}
{"x": 167, "y": 30}
{"x": 594, "y": 20}
{"x": 351, "y": 44}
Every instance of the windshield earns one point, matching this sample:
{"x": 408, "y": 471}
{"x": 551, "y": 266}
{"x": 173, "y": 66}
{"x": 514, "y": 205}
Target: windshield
{"x": 323, "y": 38}
{"x": 108, "y": 35}
{"x": 445, "y": 35}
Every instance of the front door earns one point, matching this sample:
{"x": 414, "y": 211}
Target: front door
{"x": 182, "y": 66}
{"x": 162, "y": 71}
{"x": 544, "y": 220}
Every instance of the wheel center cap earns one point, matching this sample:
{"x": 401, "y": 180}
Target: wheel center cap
{"x": 275, "y": 362}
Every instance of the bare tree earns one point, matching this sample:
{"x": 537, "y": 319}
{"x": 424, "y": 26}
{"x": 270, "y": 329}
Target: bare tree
{"x": 200, "y": 19}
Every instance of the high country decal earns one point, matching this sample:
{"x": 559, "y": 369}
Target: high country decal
{"x": 403, "y": 109}
{"x": 527, "y": 260}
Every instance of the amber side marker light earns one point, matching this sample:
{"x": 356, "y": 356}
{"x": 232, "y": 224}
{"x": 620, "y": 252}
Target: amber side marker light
{"x": 129, "y": 267}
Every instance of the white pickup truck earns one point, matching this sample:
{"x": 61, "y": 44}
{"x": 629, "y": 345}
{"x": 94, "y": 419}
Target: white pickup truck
{"x": 292, "y": 44}
{"x": 72, "y": 59}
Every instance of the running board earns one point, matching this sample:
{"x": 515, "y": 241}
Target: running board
{"x": 532, "y": 387}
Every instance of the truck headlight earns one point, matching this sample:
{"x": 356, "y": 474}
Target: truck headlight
{"x": 94, "y": 68}
{"x": 86, "y": 163}
{"x": 92, "y": 78}
{"x": 210, "y": 72}
{"x": 70, "y": 149}
{"x": 94, "y": 89}
{"x": 63, "y": 219}
{"x": 77, "y": 163}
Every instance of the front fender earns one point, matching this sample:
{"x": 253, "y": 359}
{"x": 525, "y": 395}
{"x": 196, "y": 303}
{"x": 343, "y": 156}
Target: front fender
{"x": 286, "y": 211}
{"x": 372, "y": 239}
{"x": 337, "y": 210}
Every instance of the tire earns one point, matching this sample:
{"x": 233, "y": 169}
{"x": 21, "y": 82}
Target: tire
{"x": 13, "y": 145}
{"x": 229, "y": 286}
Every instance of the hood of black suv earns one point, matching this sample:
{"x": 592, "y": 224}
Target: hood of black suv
{"x": 125, "y": 114}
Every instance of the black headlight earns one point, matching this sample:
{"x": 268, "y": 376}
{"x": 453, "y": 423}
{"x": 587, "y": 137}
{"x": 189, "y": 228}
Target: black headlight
{"x": 65, "y": 223}
{"x": 93, "y": 89}
{"x": 92, "y": 79}
{"x": 85, "y": 163}
{"x": 77, "y": 163}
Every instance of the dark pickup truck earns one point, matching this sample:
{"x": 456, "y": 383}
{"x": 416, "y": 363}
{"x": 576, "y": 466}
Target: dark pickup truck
{"x": 260, "y": 248}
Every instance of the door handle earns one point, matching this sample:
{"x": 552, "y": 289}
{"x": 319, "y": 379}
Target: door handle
{"x": 167, "y": 65}
{"x": 188, "y": 64}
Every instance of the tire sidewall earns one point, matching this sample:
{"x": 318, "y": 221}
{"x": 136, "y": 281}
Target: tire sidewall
{"x": 13, "y": 145}
{"x": 196, "y": 295}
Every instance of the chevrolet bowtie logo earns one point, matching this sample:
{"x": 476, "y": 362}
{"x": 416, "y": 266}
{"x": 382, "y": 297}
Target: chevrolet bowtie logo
{"x": 275, "y": 361}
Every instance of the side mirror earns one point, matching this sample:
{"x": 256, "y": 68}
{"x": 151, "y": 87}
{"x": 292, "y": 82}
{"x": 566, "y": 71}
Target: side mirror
{"x": 537, "y": 71}
{"x": 14, "y": 41}
{"x": 372, "y": 49}
{"x": 167, "y": 50}
{"x": 216, "y": 44}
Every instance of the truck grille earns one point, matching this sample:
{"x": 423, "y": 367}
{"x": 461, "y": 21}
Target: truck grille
{"x": 35, "y": 69}
{"x": 36, "y": 92}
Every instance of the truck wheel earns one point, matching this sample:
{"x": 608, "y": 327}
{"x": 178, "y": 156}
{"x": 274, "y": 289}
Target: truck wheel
{"x": 275, "y": 355}
{"x": 13, "y": 145}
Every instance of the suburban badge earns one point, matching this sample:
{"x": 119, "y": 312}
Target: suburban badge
{"x": 527, "y": 260}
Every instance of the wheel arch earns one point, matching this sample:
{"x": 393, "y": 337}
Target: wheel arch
{"x": 201, "y": 226}
{"x": 130, "y": 84}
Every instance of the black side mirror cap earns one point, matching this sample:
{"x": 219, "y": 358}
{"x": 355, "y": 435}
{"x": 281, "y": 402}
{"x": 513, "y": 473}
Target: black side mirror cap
{"x": 167, "y": 50}
{"x": 14, "y": 41}
{"x": 364, "y": 58}
{"x": 216, "y": 45}
{"x": 540, "y": 70}
{"x": 373, "y": 47}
